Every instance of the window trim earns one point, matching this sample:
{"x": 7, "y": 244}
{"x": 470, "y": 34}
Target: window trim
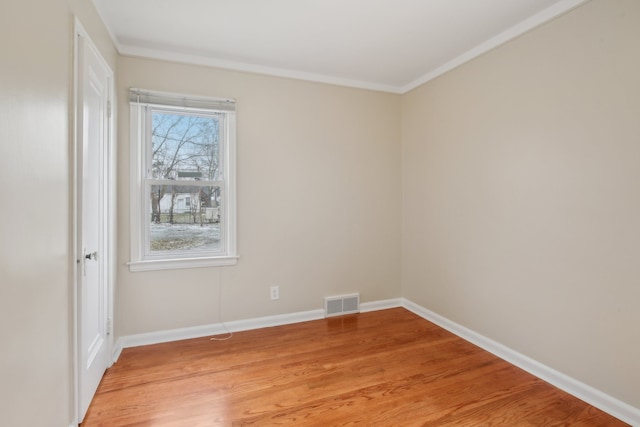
{"x": 138, "y": 100}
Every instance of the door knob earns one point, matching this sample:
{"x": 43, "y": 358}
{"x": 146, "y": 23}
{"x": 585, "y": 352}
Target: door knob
{"x": 92, "y": 256}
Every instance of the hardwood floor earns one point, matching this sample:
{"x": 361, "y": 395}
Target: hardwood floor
{"x": 383, "y": 368}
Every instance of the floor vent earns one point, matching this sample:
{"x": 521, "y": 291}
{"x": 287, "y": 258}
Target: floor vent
{"x": 343, "y": 304}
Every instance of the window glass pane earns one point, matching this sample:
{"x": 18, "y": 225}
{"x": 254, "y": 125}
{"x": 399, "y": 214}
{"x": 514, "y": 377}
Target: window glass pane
{"x": 184, "y": 218}
{"x": 185, "y": 146}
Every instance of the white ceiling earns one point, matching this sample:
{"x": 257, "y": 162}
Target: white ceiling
{"x": 388, "y": 45}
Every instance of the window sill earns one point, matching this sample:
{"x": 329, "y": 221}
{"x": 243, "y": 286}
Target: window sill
{"x": 178, "y": 263}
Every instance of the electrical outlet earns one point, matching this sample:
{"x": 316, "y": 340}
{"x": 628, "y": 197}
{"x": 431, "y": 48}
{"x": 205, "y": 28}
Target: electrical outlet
{"x": 275, "y": 293}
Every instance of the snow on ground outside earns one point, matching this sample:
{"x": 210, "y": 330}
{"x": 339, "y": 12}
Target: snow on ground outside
{"x": 171, "y": 237}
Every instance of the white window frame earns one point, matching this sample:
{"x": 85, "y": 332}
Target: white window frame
{"x": 141, "y": 104}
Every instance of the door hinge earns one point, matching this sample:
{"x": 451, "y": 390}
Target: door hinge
{"x": 109, "y": 326}
{"x": 109, "y": 109}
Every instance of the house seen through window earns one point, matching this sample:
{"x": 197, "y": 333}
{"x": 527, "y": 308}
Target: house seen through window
{"x": 186, "y": 209}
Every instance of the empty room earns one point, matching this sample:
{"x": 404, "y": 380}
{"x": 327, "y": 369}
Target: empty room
{"x": 320, "y": 213}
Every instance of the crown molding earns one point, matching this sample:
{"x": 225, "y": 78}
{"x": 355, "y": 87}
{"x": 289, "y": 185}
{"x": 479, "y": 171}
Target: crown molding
{"x": 194, "y": 59}
{"x": 517, "y": 30}
{"x": 528, "y": 24}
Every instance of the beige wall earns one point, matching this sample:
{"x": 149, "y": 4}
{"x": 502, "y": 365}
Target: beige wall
{"x": 521, "y": 197}
{"x": 318, "y": 201}
{"x": 36, "y": 41}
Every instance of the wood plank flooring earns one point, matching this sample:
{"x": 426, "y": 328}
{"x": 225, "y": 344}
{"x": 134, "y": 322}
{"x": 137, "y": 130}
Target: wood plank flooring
{"x": 383, "y": 368}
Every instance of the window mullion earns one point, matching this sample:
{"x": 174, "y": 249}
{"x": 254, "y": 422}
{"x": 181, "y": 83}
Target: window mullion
{"x": 185, "y": 183}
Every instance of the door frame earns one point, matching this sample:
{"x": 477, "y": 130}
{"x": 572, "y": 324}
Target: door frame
{"x": 108, "y": 183}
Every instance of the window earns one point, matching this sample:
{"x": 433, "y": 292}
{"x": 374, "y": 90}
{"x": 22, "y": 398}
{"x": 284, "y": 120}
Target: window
{"x": 182, "y": 181}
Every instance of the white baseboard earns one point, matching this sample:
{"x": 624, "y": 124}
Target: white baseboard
{"x": 592, "y": 396}
{"x": 380, "y": 305}
{"x": 235, "y": 326}
{"x": 213, "y": 329}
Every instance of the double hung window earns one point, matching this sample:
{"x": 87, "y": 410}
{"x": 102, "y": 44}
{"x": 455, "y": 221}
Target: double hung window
{"x": 182, "y": 181}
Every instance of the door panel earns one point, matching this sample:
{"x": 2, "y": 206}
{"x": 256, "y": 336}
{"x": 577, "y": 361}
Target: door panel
{"x": 94, "y": 80}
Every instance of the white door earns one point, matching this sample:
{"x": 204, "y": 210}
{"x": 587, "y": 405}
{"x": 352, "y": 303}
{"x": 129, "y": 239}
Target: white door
{"x": 93, "y": 136}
